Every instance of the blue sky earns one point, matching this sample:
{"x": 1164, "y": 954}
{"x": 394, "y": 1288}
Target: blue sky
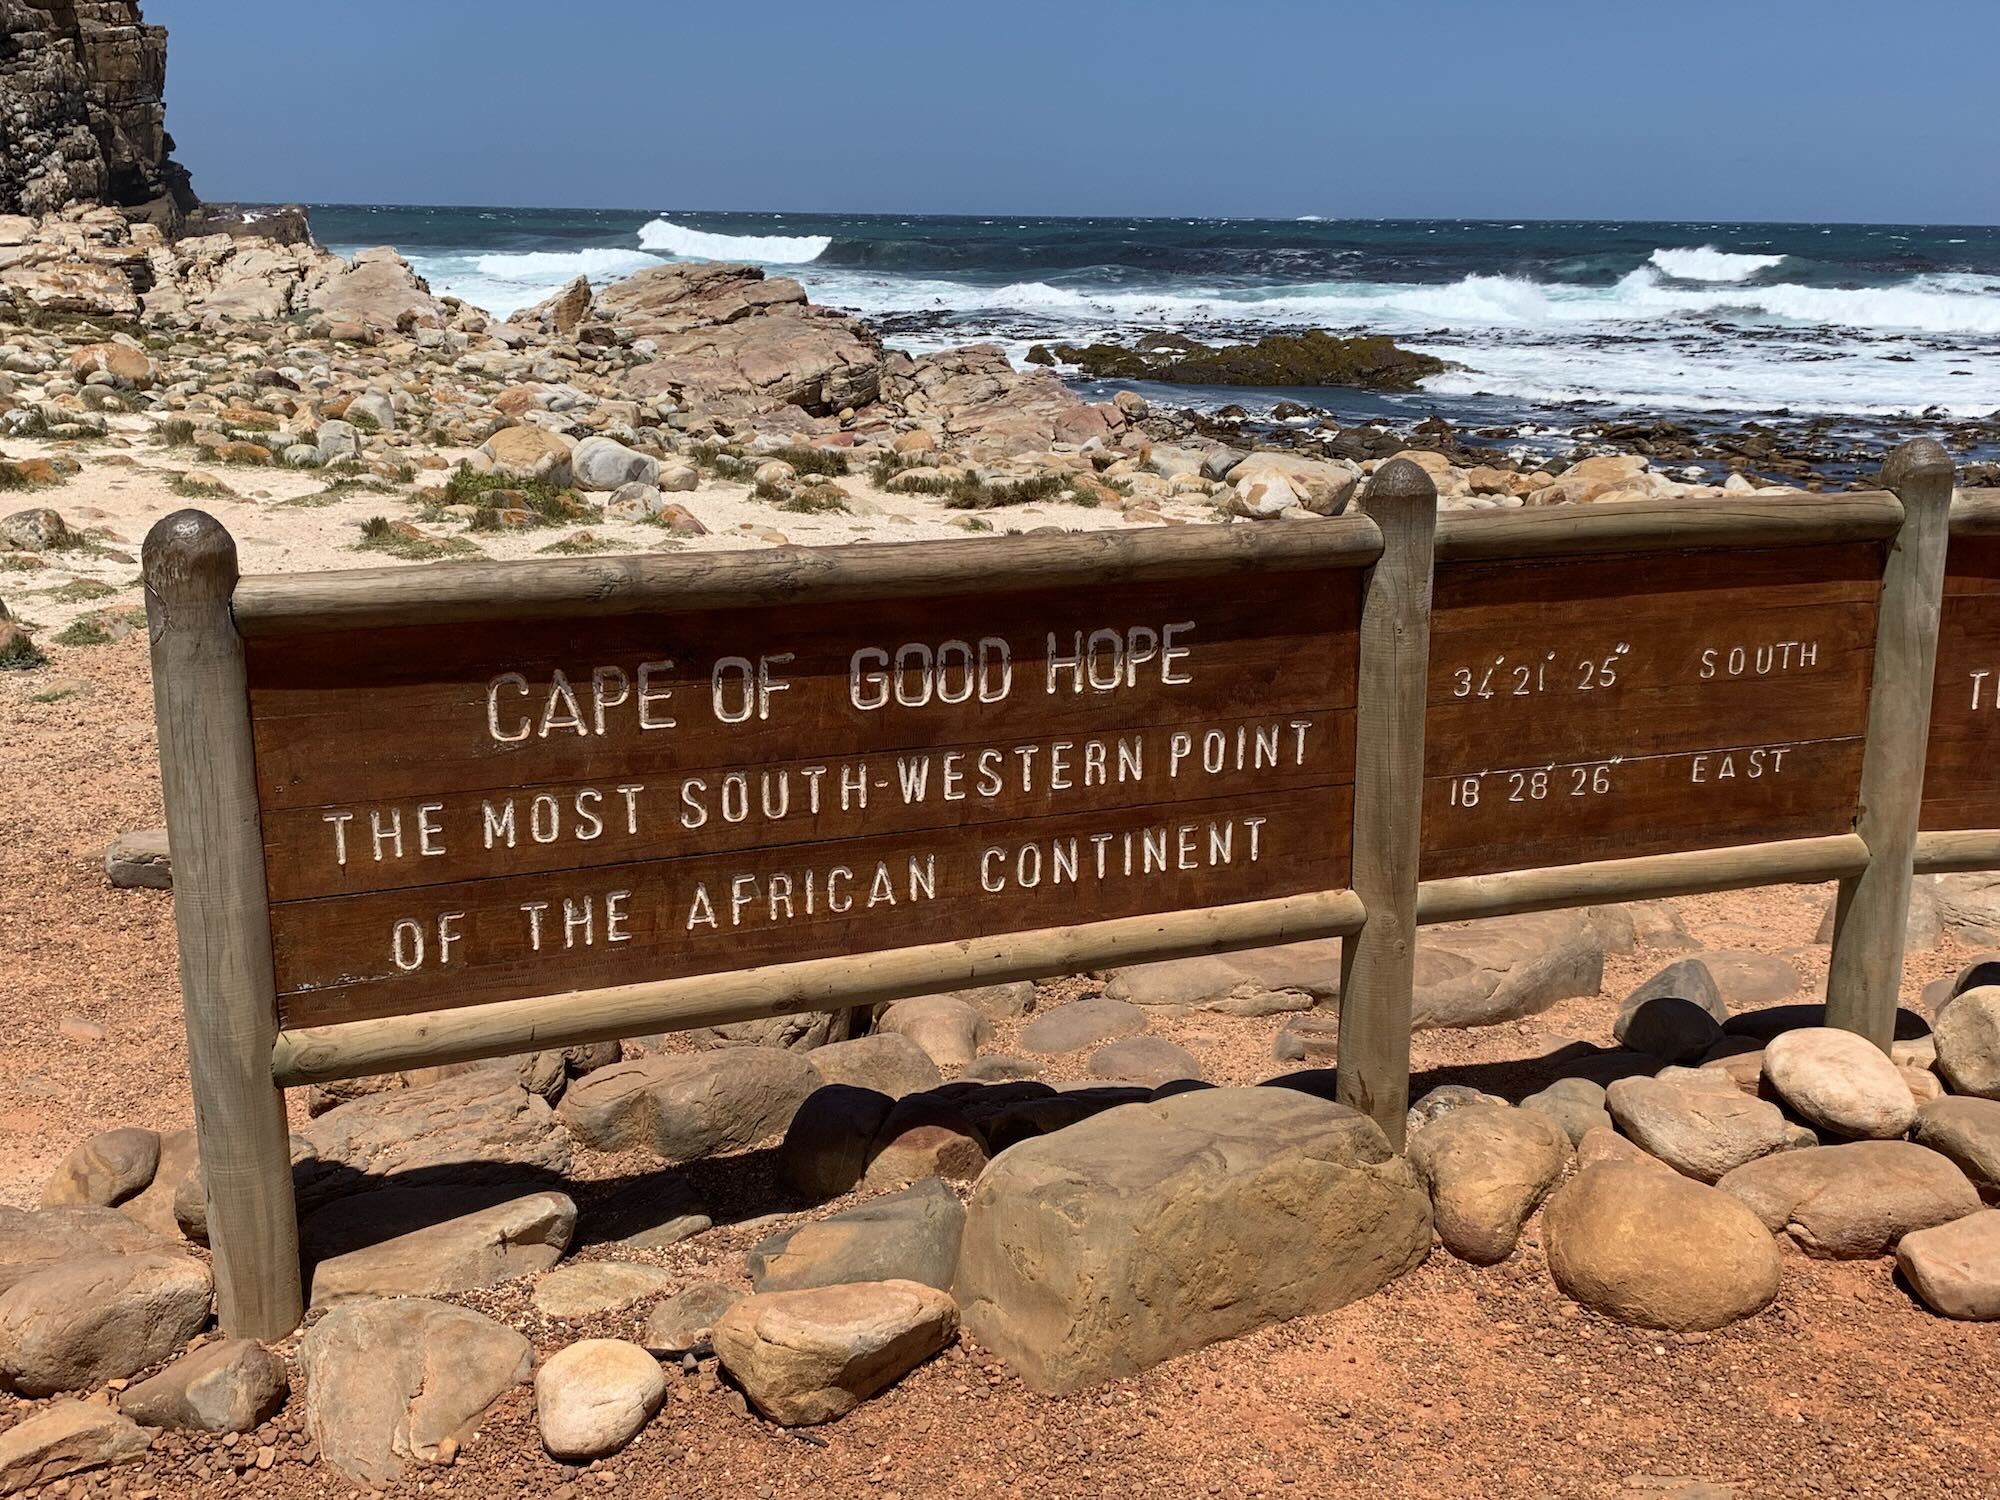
{"x": 1752, "y": 109}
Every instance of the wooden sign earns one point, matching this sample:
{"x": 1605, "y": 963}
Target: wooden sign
{"x": 1606, "y": 707}
{"x": 1962, "y": 771}
{"x": 480, "y": 812}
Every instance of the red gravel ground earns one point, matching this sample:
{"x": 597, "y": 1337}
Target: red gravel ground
{"x": 1456, "y": 1382}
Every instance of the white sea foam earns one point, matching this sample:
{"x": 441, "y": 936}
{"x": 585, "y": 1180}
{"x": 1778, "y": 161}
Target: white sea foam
{"x": 503, "y": 283}
{"x": 1706, "y": 263}
{"x": 542, "y": 266}
{"x": 669, "y": 238}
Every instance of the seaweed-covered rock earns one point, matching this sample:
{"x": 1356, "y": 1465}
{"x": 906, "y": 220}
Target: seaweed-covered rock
{"x": 1370, "y": 361}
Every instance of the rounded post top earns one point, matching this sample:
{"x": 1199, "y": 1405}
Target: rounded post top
{"x": 188, "y": 555}
{"x": 1401, "y": 485}
{"x": 1919, "y": 469}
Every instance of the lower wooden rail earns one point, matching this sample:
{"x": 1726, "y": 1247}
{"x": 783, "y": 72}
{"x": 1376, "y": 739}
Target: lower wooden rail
{"x": 1950, "y": 853}
{"x": 1789, "y": 861}
{"x": 354, "y": 1048}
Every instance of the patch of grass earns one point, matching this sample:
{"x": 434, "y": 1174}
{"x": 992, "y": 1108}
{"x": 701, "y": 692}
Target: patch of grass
{"x": 12, "y": 478}
{"x": 176, "y": 432}
{"x": 99, "y": 629}
{"x": 491, "y": 493}
{"x": 21, "y": 655}
{"x": 823, "y": 501}
{"x": 339, "y": 490}
{"x": 360, "y": 421}
{"x": 967, "y": 491}
{"x": 724, "y": 463}
{"x": 830, "y": 462}
{"x": 973, "y": 523}
{"x": 887, "y": 464}
{"x": 20, "y": 562}
{"x": 380, "y": 534}
{"x": 53, "y": 695}
{"x": 82, "y": 591}
{"x": 769, "y": 493}
{"x": 28, "y": 423}
{"x": 195, "y": 489}
{"x": 584, "y": 544}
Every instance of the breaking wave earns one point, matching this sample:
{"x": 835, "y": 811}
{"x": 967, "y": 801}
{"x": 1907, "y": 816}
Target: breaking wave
{"x": 669, "y": 238}
{"x": 1706, "y": 263}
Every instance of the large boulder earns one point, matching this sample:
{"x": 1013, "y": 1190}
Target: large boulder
{"x": 1148, "y": 1231}
{"x": 1080, "y": 1024}
{"x": 477, "y": 1126}
{"x": 1488, "y": 1167}
{"x": 1700, "y": 1127}
{"x": 592, "y": 1398}
{"x": 829, "y": 1140}
{"x": 690, "y": 1105}
{"x": 810, "y": 1356}
{"x": 82, "y": 1322}
{"x": 730, "y": 338}
{"x": 517, "y": 1237}
{"x": 70, "y": 1437}
{"x": 887, "y": 1062}
{"x": 603, "y": 464}
{"x": 949, "y": 1031}
{"x": 913, "y": 1235}
{"x": 530, "y": 452}
{"x": 232, "y": 1385}
{"x": 377, "y": 289}
{"x": 1968, "y": 1043}
{"x": 1676, "y": 1015}
{"x": 1955, "y": 1267}
{"x": 107, "y": 1169}
{"x": 1503, "y": 968}
{"x": 1860, "y": 1199}
{"x": 390, "y": 1381}
{"x": 1658, "y": 1251}
{"x": 591, "y": 1288}
{"x": 33, "y": 1240}
{"x": 1840, "y": 1082}
{"x": 1254, "y": 982}
{"x": 1965, "y": 1130}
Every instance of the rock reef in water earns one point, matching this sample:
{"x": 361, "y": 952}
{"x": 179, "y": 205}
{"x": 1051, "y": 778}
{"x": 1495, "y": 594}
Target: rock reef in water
{"x": 1314, "y": 358}
{"x": 83, "y": 83}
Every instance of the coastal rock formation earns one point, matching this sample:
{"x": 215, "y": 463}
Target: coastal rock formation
{"x": 1311, "y": 358}
{"x": 743, "y": 340}
{"x": 83, "y": 82}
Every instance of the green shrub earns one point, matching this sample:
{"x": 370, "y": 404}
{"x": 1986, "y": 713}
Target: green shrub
{"x": 21, "y": 655}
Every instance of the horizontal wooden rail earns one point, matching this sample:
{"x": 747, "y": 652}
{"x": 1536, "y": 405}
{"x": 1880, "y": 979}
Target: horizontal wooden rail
{"x": 1668, "y": 525}
{"x": 1957, "y": 851}
{"x": 602, "y": 587}
{"x": 1975, "y": 513}
{"x": 354, "y": 1048}
{"x": 1789, "y": 861}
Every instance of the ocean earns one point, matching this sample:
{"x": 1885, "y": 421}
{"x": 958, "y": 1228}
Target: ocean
{"x": 1544, "y": 322}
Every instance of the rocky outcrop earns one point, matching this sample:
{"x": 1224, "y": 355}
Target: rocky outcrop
{"x": 742, "y": 340}
{"x": 83, "y": 82}
{"x": 1312, "y": 358}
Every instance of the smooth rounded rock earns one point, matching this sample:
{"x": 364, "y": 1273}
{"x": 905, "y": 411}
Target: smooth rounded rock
{"x": 1575, "y": 1104}
{"x": 81, "y": 1322}
{"x": 593, "y": 1397}
{"x": 590, "y": 1288}
{"x": 107, "y": 1169}
{"x": 1488, "y": 1167}
{"x": 1968, "y": 1043}
{"x": 1143, "y": 1059}
{"x": 810, "y": 1356}
{"x": 887, "y": 1062}
{"x": 948, "y": 1030}
{"x": 1080, "y": 1024}
{"x": 232, "y": 1385}
{"x": 1839, "y": 1082}
{"x": 1966, "y": 1131}
{"x": 683, "y": 1322}
{"x": 1658, "y": 1251}
{"x": 1852, "y": 1201}
{"x": 1955, "y": 1267}
{"x": 1700, "y": 1128}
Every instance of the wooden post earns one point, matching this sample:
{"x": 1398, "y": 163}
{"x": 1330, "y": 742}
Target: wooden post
{"x": 1870, "y": 918}
{"x": 201, "y": 706}
{"x": 1378, "y": 964}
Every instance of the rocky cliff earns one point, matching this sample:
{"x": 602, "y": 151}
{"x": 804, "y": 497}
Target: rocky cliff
{"x": 82, "y": 117}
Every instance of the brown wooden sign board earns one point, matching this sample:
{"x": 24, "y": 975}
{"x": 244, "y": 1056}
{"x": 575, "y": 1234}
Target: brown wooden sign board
{"x": 1962, "y": 770}
{"x": 1607, "y": 707}
{"x": 470, "y": 813}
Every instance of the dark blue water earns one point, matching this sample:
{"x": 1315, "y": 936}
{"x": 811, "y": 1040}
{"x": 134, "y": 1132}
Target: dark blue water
{"x": 1540, "y": 319}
